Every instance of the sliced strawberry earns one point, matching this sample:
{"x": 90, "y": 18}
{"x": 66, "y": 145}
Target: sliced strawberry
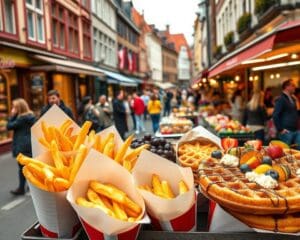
{"x": 255, "y": 144}
{"x": 228, "y": 143}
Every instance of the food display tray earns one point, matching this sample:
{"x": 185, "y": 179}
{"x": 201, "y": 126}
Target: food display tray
{"x": 34, "y": 233}
{"x": 175, "y": 135}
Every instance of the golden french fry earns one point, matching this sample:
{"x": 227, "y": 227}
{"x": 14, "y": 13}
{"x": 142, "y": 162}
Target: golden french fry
{"x": 84, "y": 203}
{"x": 106, "y": 202}
{"x": 37, "y": 171}
{"x": 24, "y": 160}
{"x": 97, "y": 143}
{"x": 109, "y": 150}
{"x": 61, "y": 184}
{"x": 91, "y": 137}
{"x": 108, "y": 191}
{"x": 57, "y": 159}
{"x": 95, "y": 198}
{"x": 80, "y": 156}
{"x": 131, "y": 213}
{"x": 156, "y": 184}
{"x": 145, "y": 187}
{"x": 45, "y": 131}
{"x": 167, "y": 189}
{"x": 132, "y": 205}
{"x": 64, "y": 143}
{"x": 44, "y": 142}
{"x": 52, "y": 135}
{"x": 73, "y": 139}
{"x": 183, "y": 188}
{"x": 48, "y": 173}
{"x": 49, "y": 184}
{"x": 135, "y": 152}
{"x": 31, "y": 178}
{"x": 106, "y": 141}
{"x": 119, "y": 211}
{"x": 68, "y": 133}
{"x": 65, "y": 126}
{"x": 82, "y": 134}
{"x": 122, "y": 151}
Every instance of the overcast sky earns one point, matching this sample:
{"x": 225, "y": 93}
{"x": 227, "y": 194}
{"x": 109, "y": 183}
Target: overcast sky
{"x": 179, "y": 14}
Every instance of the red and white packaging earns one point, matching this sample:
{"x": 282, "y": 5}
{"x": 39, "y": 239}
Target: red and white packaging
{"x": 54, "y": 117}
{"x": 97, "y": 224}
{"x": 177, "y": 214}
{"x": 55, "y": 215}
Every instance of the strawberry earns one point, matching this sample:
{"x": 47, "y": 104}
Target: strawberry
{"x": 254, "y": 144}
{"x": 228, "y": 143}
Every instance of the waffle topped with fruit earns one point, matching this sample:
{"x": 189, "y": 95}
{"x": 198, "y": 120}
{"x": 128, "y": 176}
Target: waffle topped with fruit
{"x": 256, "y": 181}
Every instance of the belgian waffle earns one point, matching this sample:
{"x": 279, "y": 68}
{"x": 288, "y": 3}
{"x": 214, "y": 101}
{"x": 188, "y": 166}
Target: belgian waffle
{"x": 190, "y": 154}
{"x": 229, "y": 187}
{"x": 287, "y": 223}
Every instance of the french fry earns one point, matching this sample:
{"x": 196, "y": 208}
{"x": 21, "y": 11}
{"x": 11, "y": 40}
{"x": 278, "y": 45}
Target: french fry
{"x": 128, "y": 165}
{"x": 145, "y": 187}
{"x": 68, "y": 133}
{"x": 85, "y": 203}
{"x": 37, "y": 171}
{"x": 109, "y": 149}
{"x": 64, "y": 143}
{"x": 80, "y": 156}
{"x": 97, "y": 143}
{"x": 106, "y": 202}
{"x": 95, "y": 198}
{"x": 44, "y": 142}
{"x": 167, "y": 189}
{"x": 65, "y": 126}
{"x": 122, "y": 151}
{"x": 132, "y": 205}
{"x": 135, "y": 152}
{"x": 108, "y": 191}
{"x": 183, "y": 188}
{"x": 119, "y": 211}
{"x": 91, "y": 137}
{"x": 31, "y": 178}
{"x": 131, "y": 213}
{"x": 61, "y": 184}
{"x": 106, "y": 141}
{"x": 58, "y": 162}
{"x": 45, "y": 132}
{"x": 49, "y": 184}
{"x": 156, "y": 184}
{"x": 82, "y": 134}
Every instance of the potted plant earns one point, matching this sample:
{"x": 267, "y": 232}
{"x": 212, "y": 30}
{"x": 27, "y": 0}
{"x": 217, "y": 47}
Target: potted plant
{"x": 261, "y": 6}
{"x": 228, "y": 40}
{"x": 244, "y": 23}
{"x": 217, "y": 52}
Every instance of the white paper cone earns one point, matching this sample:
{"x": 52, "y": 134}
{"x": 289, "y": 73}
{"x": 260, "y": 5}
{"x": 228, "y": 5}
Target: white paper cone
{"x": 99, "y": 167}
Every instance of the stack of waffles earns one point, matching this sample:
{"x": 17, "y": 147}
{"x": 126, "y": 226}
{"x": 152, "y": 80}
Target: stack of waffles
{"x": 275, "y": 208}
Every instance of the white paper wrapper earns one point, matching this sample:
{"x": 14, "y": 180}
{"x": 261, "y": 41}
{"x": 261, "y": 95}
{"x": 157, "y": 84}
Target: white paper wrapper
{"x": 54, "y": 213}
{"x": 55, "y": 117}
{"x": 99, "y": 167}
{"x": 160, "y": 208}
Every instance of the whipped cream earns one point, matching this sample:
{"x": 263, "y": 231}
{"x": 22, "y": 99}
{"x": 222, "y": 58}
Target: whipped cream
{"x": 230, "y": 160}
{"x": 261, "y": 179}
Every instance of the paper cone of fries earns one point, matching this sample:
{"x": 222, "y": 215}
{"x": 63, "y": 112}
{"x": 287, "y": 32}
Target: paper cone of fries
{"x": 175, "y": 214}
{"x": 97, "y": 223}
{"x": 54, "y": 117}
{"x": 55, "y": 215}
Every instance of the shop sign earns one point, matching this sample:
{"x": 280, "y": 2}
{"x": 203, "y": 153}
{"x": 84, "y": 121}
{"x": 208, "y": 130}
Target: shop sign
{"x": 9, "y": 63}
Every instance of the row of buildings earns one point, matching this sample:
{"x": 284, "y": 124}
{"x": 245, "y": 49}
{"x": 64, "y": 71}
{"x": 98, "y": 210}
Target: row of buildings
{"x": 246, "y": 44}
{"x": 82, "y": 47}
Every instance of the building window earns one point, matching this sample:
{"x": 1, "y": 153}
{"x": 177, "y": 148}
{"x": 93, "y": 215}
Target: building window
{"x": 35, "y": 20}
{"x": 58, "y": 27}
{"x": 7, "y": 16}
{"x": 86, "y": 39}
{"x": 73, "y": 41}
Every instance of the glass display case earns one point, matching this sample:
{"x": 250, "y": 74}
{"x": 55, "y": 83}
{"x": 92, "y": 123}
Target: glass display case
{"x": 3, "y": 108}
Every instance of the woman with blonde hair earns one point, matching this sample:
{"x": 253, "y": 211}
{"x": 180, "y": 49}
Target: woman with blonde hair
{"x": 20, "y": 122}
{"x": 255, "y": 115}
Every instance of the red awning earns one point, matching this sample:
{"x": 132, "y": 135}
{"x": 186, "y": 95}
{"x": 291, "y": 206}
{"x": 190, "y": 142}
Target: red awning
{"x": 288, "y": 32}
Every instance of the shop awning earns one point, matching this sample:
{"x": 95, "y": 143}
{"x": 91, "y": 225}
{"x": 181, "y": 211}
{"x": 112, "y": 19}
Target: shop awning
{"x": 122, "y": 80}
{"x": 138, "y": 80}
{"x": 286, "y": 33}
{"x": 164, "y": 85}
{"x": 61, "y": 65}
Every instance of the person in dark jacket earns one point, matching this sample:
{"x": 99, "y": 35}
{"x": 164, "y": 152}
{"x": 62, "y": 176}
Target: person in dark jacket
{"x": 20, "y": 122}
{"x": 54, "y": 98}
{"x": 119, "y": 113}
{"x": 285, "y": 115}
{"x": 255, "y": 116}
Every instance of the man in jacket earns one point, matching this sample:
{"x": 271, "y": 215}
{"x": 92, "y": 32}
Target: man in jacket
{"x": 105, "y": 111}
{"x": 54, "y": 98}
{"x": 119, "y": 113}
{"x": 285, "y": 115}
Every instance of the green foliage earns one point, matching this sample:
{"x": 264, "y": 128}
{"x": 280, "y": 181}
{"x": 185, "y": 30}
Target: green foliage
{"x": 262, "y": 6}
{"x": 244, "y": 22}
{"x": 228, "y": 39}
{"x": 217, "y": 50}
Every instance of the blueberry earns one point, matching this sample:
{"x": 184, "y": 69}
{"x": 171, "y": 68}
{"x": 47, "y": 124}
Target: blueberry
{"x": 273, "y": 173}
{"x": 245, "y": 168}
{"x": 216, "y": 154}
{"x": 267, "y": 160}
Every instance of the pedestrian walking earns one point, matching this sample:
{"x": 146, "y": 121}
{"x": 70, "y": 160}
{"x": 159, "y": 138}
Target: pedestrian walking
{"x": 54, "y": 98}
{"x": 255, "y": 116}
{"x": 138, "y": 109}
{"x": 88, "y": 112}
{"x": 237, "y": 106}
{"x": 145, "y": 97}
{"x": 167, "y": 103}
{"x": 20, "y": 121}
{"x": 130, "y": 110}
{"x": 119, "y": 113}
{"x": 154, "y": 109}
{"x": 285, "y": 115}
{"x": 105, "y": 112}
